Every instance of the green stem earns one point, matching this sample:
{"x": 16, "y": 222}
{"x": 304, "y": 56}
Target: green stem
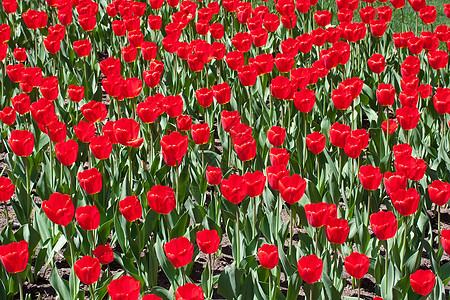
{"x": 359, "y": 289}
{"x": 91, "y": 290}
{"x": 70, "y": 244}
{"x": 387, "y": 133}
{"x": 210, "y": 276}
{"x": 270, "y": 285}
{"x": 291, "y": 230}
{"x": 439, "y": 225}
{"x": 386, "y": 264}
{"x": 183, "y": 271}
{"x": 310, "y": 291}
{"x": 368, "y": 209}
{"x": 316, "y": 234}
{"x": 238, "y": 238}
{"x": 6, "y": 212}
{"x": 254, "y": 216}
{"x": 129, "y": 170}
{"x": 166, "y": 220}
{"x": 20, "y": 286}
{"x": 93, "y": 238}
{"x": 404, "y": 240}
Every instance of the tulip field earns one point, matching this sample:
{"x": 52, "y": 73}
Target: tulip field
{"x": 259, "y": 149}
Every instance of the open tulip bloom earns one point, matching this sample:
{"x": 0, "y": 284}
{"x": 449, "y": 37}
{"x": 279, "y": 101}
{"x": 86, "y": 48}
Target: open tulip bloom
{"x": 160, "y": 140}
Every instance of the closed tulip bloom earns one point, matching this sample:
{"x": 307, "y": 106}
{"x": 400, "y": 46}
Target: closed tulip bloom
{"x": 174, "y": 147}
{"x": 276, "y": 135}
{"x": 317, "y": 213}
{"x": 247, "y": 75}
{"x": 322, "y": 18}
{"x": 179, "y": 251}
{"x": 130, "y": 208}
{"x": 441, "y": 100}
{"x": 82, "y": 48}
{"x": 378, "y": 28}
{"x": 385, "y": 94}
{"x": 310, "y": 268}
{"x": 279, "y": 156}
{"x": 367, "y": 14}
{"x": 304, "y": 100}
{"x": 268, "y": 256}
{"x": 7, "y": 189}
{"x": 204, "y": 96}
{"x": 439, "y": 192}
{"x": 217, "y": 30}
{"x": 292, "y": 188}
{"x": 383, "y": 224}
{"x": 370, "y": 177}
{"x": 398, "y": 4}
{"x": 315, "y": 142}
{"x": 76, "y": 93}
{"x": 410, "y": 66}
{"x": 57, "y": 131}
{"x": 21, "y": 142}
{"x": 94, "y": 111}
{"x": 151, "y": 297}
{"x": 437, "y": 59}
{"x": 222, "y": 93}
{"x": 402, "y": 149}
{"x": 208, "y": 241}
{"x": 200, "y": 133}
{"x": 88, "y": 217}
{"x": 229, "y": 119}
{"x": 255, "y": 183}
{"x": 101, "y": 146}
{"x": 90, "y": 181}
{"x": 357, "y": 265}
{"x": 280, "y": 87}
{"x": 20, "y": 54}
{"x": 242, "y": 41}
{"x": 189, "y": 291}
{"x": 184, "y": 122}
{"x": 275, "y": 174}
{"x": 67, "y": 152}
{"x": 245, "y": 147}
{"x": 127, "y": 131}
{"x": 87, "y": 269}
{"x": 21, "y": 103}
{"x": 342, "y": 98}
{"x": 415, "y": 45}
{"x": 259, "y": 36}
{"x": 336, "y": 230}
{"x": 213, "y": 175}
{"x": 234, "y": 189}
{"x": 161, "y": 199}
{"x": 408, "y": 117}
{"x": 84, "y": 131}
{"x": 14, "y": 256}
{"x": 284, "y": 62}
{"x": 445, "y": 240}
{"x": 422, "y": 282}
{"x": 406, "y": 202}
{"x": 125, "y": 287}
{"x": 173, "y": 105}
{"x": 8, "y": 115}
{"x": 377, "y": 63}
{"x": 104, "y": 254}
{"x": 384, "y": 13}
{"x": 428, "y": 14}
{"x": 394, "y": 181}
{"x": 10, "y": 6}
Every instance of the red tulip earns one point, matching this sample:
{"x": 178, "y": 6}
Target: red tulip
{"x": 82, "y": 48}
{"x": 405, "y": 202}
{"x": 104, "y": 254}
{"x": 310, "y": 268}
{"x": 208, "y": 241}
{"x": 247, "y": 75}
{"x": 268, "y": 256}
{"x": 392, "y": 126}
{"x": 276, "y": 135}
{"x": 20, "y": 54}
{"x": 179, "y": 251}
{"x": 161, "y": 199}
{"x": 222, "y": 93}
{"x": 59, "y": 209}
{"x": 126, "y": 287}
{"x": 336, "y": 230}
{"x": 213, "y": 175}
{"x": 21, "y": 142}
{"x": 174, "y": 147}
{"x": 408, "y": 117}
{"x": 84, "y": 131}
{"x": 259, "y": 36}
{"x": 130, "y": 208}
{"x": 384, "y": 13}
{"x": 304, "y": 100}
{"x": 67, "y": 152}
{"x": 394, "y": 181}
{"x": 367, "y": 14}
{"x": 357, "y": 265}
{"x": 87, "y": 269}
{"x": 315, "y": 142}
{"x": 101, "y": 146}
{"x": 200, "y": 133}
{"x": 204, "y": 96}
{"x": 14, "y": 256}
{"x": 422, "y": 281}
{"x": 322, "y": 18}
{"x": 385, "y": 94}
{"x": 127, "y": 131}
{"x": 339, "y": 134}
{"x": 284, "y": 62}
{"x": 173, "y": 105}
{"x": 90, "y": 181}
{"x": 342, "y": 98}
{"x": 376, "y": 63}
{"x": 234, "y": 189}
{"x": 445, "y": 240}
{"x": 217, "y": 31}
{"x": 6, "y": 189}
{"x": 43, "y": 111}
{"x": 280, "y": 87}
{"x": 317, "y": 213}
{"x": 428, "y": 14}
{"x": 229, "y": 119}
{"x": 21, "y": 103}
{"x": 383, "y": 224}
{"x": 8, "y": 115}
{"x": 437, "y": 59}
{"x": 245, "y": 147}
{"x": 88, "y": 217}
{"x": 76, "y": 93}
{"x": 271, "y": 22}
{"x": 255, "y": 183}
{"x": 370, "y": 177}
{"x": 279, "y": 156}
{"x": 292, "y": 188}
{"x": 189, "y": 291}
{"x": 35, "y": 19}
{"x": 439, "y": 192}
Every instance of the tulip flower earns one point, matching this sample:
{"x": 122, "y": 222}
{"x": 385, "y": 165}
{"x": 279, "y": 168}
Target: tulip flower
{"x": 304, "y": 100}
{"x": 179, "y": 251}
{"x": 310, "y": 268}
{"x": 174, "y": 147}
{"x": 7, "y": 189}
{"x": 276, "y": 136}
{"x": 422, "y": 281}
{"x": 124, "y": 287}
{"x": 101, "y": 146}
{"x": 189, "y": 291}
{"x": 406, "y": 202}
{"x": 336, "y": 230}
{"x": 104, "y": 254}
{"x": 268, "y": 256}
{"x": 213, "y": 175}
{"x": 208, "y": 241}
{"x": 59, "y": 209}
{"x": 90, "y": 181}
{"x": 315, "y": 142}
{"x": 131, "y": 209}
{"x": 14, "y": 257}
{"x": 67, "y": 152}
{"x": 161, "y": 199}
{"x": 88, "y": 217}
{"x": 21, "y": 142}
{"x": 84, "y": 131}
{"x": 87, "y": 269}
